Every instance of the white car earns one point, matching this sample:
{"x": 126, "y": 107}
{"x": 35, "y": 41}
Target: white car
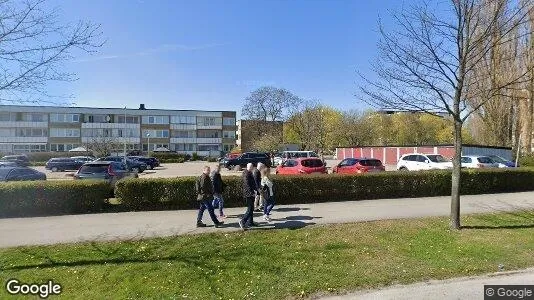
{"x": 477, "y": 162}
{"x": 419, "y": 162}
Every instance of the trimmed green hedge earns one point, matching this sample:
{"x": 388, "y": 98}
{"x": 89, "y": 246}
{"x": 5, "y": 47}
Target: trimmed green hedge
{"x": 179, "y": 193}
{"x": 40, "y": 198}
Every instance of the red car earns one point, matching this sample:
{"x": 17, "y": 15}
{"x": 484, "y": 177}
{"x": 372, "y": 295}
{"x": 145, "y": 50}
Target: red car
{"x": 359, "y": 165}
{"x": 302, "y": 166}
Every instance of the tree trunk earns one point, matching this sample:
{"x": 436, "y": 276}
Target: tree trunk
{"x": 456, "y": 174}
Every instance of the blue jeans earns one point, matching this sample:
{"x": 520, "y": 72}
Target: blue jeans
{"x": 221, "y": 203}
{"x": 269, "y": 204}
{"x": 206, "y": 204}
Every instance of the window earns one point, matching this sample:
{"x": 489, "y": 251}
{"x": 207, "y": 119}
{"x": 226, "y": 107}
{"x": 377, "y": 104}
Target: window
{"x": 421, "y": 158}
{"x": 156, "y": 133}
{"x": 184, "y": 147}
{"x": 155, "y": 119}
{"x": 229, "y": 121}
{"x": 31, "y": 132}
{"x": 485, "y": 160}
{"x": 7, "y": 117}
{"x": 208, "y": 147}
{"x": 437, "y": 158}
{"x": 184, "y": 120}
{"x": 64, "y": 132}
{"x": 371, "y": 163}
{"x": 98, "y": 118}
{"x": 129, "y": 119}
{"x": 348, "y": 162}
{"x": 208, "y": 134}
{"x": 5, "y": 148}
{"x": 209, "y": 121}
{"x": 410, "y": 158}
{"x": 64, "y": 118}
{"x": 183, "y": 133}
{"x": 29, "y": 148}
{"x": 290, "y": 163}
{"x": 34, "y": 117}
{"x": 312, "y": 163}
{"x": 466, "y": 160}
{"x": 229, "y": 134}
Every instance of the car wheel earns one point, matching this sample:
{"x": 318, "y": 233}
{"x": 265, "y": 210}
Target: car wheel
{"x": 135, "y": 170}
{"x": 55, "y": 169}
{"x": 149, "y": 167}
{"x": 403, "y": 169}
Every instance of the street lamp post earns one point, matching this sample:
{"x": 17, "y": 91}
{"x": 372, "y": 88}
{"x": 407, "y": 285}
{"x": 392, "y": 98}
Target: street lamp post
{"x": 148, "y": 137}
{"x": 124, "y": 134}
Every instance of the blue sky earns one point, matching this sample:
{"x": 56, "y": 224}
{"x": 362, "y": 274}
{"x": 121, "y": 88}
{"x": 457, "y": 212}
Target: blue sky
{"x": 210, "y": 54}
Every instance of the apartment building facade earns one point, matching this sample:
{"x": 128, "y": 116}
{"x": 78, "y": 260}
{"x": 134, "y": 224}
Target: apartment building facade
{"x": 59, "y": 129}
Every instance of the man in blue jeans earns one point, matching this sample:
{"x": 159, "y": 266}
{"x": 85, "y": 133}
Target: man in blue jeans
{"x": 204, "y": 190}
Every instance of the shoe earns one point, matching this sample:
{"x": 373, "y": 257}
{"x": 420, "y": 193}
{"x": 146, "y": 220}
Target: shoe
{"x": 241, "y": 225}
{"x": 265, "y": 218}
{"x": 219, "y": 225}
{"x": 201, "y": 224}
{"x": 268, "y": 218}
{"x": 223, "y": 216}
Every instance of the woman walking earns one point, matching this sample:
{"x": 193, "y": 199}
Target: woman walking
{"x": 267, "y": 190}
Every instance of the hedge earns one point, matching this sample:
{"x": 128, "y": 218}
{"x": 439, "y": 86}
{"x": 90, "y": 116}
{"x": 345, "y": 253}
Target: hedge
{"x": 179, "y": 193}
{"x": 526, "y": 160}
{"x": 40, "y": 198}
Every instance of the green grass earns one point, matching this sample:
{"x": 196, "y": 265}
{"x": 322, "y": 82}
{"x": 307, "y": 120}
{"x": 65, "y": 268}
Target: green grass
{"x": 277, "y": 264}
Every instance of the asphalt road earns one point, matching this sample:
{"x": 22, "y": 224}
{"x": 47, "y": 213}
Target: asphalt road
{"x": 132, "y": 225}
{"x": 458, "y": 288}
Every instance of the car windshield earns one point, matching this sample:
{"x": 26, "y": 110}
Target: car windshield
{"x": 371, "y": 162}
{"x": 94, "y": 169}
{"x": 437, "y": 158}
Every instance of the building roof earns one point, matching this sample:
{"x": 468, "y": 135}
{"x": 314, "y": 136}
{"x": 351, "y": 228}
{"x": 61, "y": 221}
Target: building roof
{"x": 31, "y": 108}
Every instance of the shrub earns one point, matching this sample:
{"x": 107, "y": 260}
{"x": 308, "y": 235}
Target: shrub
{"x": 212, "y": 159}
{"x": 179, "y": 193}
{"x": 195, "y": 157}
{"x": 38, "y": 198}
{"x": 162, "y": 156}
{"x": 172, "y": 160}
{"x": 526, "y": 160}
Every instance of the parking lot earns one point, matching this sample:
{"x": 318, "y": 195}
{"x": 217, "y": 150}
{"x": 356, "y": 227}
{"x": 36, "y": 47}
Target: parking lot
{"x": 192, "y": 168}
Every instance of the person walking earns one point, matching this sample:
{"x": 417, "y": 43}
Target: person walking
{"x": 256, "y": 173}
{"x": 267, "y": 190}
{"x": 218, "y": 189}
{"x": 249, "y": 193}
{"x": 204, "y": 189}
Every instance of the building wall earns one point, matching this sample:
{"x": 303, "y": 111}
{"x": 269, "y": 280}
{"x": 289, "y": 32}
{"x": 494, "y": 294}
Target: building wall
{"x": 390, "y": 155}
{"x": 70, "y": 127}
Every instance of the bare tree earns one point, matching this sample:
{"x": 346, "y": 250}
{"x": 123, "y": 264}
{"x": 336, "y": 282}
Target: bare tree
{"x": 269, "y": 104}
{"x": 34, "y": 46}
{"x": 429, "y": 63}
{"x": 102, "y": 146}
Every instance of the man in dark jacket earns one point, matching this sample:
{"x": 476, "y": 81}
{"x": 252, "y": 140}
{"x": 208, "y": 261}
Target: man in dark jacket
{"x": 249, "y": 193}
{"x": 258, "y": 205}
{"x": 204, "y": 189}
{"x": 218, "y": 189}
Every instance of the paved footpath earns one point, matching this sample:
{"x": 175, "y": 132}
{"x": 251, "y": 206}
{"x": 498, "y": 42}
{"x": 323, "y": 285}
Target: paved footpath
{"x": 458, "y": 288}
{"x": 112, "y": 226}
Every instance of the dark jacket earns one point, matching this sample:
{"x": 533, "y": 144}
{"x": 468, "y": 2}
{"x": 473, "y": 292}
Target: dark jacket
{"x": 257, "y": 179}
{"x": 218, "y": 184}
{"x": 249, "y": 185}
{"x": 204, "y": 188}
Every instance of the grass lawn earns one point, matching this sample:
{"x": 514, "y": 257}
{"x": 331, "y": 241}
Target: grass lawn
{"x": 277, "y": 264}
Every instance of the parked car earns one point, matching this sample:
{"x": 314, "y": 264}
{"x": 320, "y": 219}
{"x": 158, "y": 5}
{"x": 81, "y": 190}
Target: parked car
{"x": 302, "y": 166}
{"x": 131, "y": 165}
{"x": 503, "y": 162}
{"x": 245, "y": 158}
{"x": 84, "y": 159}
{"x": 418, "y": 162}
{"x": 358, "y": 166}
{"x": 62, "y": 164}
{"x": 20, "y": 174}
{"x": 105, "y": 170}
{"x": 477, "y": 162}
{"x": 20, "y": 160}
{"x": 8, "y": 164}
{"x": 151, "y": 162}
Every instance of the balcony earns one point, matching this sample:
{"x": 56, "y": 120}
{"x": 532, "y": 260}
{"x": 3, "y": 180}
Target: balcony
{"x": 183, "y": 127}
{"x": 120, "y": 140}
{"x": 219, "y": 127}
{"x": 19, "y": 124}
{"x": 183, "y": 140}
{"x": 110, "y": 126}
{"x": 209, "y": 140}
{"x": 18, "y": 139}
